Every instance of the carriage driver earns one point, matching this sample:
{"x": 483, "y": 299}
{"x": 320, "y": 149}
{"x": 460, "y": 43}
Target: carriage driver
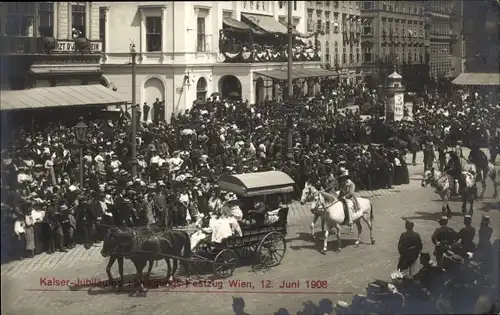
{"x": 348, "y": 191}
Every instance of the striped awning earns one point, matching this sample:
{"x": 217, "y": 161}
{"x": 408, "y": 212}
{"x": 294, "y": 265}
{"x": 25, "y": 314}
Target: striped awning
{"x": 297, "y": 73}
{"x": 60, "y": 96}
{"x": 267, "y": 23}
{"x": 477, "y": 79}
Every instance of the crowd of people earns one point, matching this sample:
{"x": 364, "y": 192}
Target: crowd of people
{"x": 242, "y": 46}
{"x": 179, "y": 162}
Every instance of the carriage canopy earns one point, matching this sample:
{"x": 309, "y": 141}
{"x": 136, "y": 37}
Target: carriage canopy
{"x": 255, "y": 184}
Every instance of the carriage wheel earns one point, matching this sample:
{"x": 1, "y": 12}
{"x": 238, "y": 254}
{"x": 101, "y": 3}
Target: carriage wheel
{"x": 224, "y": 263}
{"x": 247, "y": 251}
{"x": 204, "y": 253}
{"x": 272, "y": 249}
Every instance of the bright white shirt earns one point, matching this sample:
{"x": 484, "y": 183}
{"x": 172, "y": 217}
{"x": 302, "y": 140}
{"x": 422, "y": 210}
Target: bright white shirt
{"x": 222, "y": 228}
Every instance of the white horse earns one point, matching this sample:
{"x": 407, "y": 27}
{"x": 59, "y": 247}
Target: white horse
{"x": 444, "y": 183}
{"x": 333, "y": 213}
{"x": 308, "y": 196}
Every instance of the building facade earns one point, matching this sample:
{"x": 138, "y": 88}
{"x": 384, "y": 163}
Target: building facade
{"x": 46, "y": 44}
{"x": 481, "y": 52}
{"x": 338, "y": 25}
{"x": 393, "y": 34}
{"x": 444, "y": 27}
{"x": 179, "y": 46}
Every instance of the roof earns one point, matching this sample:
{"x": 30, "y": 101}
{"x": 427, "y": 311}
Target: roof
{"x": 297, "y": 73}
{"x": 236, "y": 24}
{"x": 395, "y": 76}
{"x": 267, "y": 23}
{"x": 65, "y": 68}
{"x": 255, "y": 184}
{"x": 477, "y": 79}
{"x": 60, "y": 96}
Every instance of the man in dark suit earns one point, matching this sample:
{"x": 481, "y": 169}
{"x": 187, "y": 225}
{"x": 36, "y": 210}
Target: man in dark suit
{"x": 409, "y": 247}
{"x": 160, "y": 206}
{"x": 145, "y": 111}
{"x": 54, "y": 230}
{"x": 156, "y": 110}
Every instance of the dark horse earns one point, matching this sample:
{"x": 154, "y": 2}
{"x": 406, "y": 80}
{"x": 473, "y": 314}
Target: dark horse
{"x": 142, "y": 245}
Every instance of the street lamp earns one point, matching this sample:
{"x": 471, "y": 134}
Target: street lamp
{"x": 80, "y": 132}
{"x": 133, "y": 161}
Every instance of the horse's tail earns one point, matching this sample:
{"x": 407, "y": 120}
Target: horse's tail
{"x": 371, "y": 212}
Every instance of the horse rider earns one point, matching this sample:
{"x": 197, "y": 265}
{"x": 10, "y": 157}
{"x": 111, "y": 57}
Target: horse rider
{"x": 467, "y": 234}
{"x": 429, "y": 155}
{"x": 331, "y": 184}
{"x": 479, "y": 159}
{"x": 409, "y": 247}
{"x": 442, "y": 238}
{"x": 454, "y": 169}
{"x": 348, "y": 191}
{"x": 442, "y": 148}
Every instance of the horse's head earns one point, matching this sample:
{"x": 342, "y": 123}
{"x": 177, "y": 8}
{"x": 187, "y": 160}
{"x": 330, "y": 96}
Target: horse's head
{"x": 307, "y": 193}
{"x": 117, "y": 241}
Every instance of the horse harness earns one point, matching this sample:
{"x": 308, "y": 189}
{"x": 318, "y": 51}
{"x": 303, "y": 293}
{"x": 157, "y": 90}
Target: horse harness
{"x": 136, "y": 243}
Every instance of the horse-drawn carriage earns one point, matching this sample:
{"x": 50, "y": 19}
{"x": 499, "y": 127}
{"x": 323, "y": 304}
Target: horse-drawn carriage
{"x": 263, "y": 241}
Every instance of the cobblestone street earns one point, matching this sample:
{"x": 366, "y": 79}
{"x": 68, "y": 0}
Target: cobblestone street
{"x": 25, "y": 289}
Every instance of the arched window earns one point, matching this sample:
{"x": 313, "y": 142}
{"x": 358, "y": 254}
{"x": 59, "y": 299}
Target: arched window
{"x": 201, "y": 89}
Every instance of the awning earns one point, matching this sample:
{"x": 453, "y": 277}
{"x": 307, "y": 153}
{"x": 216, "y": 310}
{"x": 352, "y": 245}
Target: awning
{"x": 60, "y": 96}
{"x": 254, "y": 184}
{"x": 477, "y": 79}
{"x": 297, "y": 73}
{"x": 236, "y": 24}
{"x": 65, "y": 68}
{"x": 267, "y": 23}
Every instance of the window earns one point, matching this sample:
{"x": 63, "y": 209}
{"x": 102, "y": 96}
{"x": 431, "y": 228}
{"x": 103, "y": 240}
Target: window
{"x": 46, "y": 19}
{"x": 318, "y": 20}
{"x": 367, "y": 27}
{"x": 367, "y": 54}
{"x": 344, "y": 55}
{"x": 295, "y": 5}
{"x": 201, "y": 89}
{"x": 153, "y": 34}
{"x": 19, "y": 18}
{"x": 281, "y": 4}
{"x": 368, "y": 5}
{"x": 327, "y": 52}
{"x": 327, "y": 26}
{"x": 310, "y": 20}
{"x": 78, "y": 18}
{"x": 358, "y": 56}
{"x": 102, "y": 27}
{"x": 351, "y": 57}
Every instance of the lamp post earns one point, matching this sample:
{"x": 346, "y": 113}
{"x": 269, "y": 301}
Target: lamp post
{"x": 133, "y": 135}
{"x": 80, "y": 132}
{"x": 289, "y": 122}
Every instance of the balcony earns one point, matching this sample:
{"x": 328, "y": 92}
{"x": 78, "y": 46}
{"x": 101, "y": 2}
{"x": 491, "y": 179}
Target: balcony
{"x": 19, "y": 45}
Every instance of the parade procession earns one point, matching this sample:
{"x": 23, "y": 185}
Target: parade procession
{"x": 248, "y": 161}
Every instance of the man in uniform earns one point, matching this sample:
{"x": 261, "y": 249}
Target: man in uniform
{"x": 347, "y": 191}
{"x": 409, "y": 247}
{"x": 442, "y": 238}
{"x": 467, "y": 234}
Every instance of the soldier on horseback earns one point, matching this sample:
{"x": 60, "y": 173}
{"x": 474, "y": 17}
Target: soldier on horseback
{"x": 454, "y": 169}
{"x": 348, "y": 191}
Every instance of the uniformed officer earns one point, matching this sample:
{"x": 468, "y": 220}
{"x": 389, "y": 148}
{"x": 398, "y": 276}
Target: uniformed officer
{"x": 467, "y": 234}
{"x": 409, "y": 247}
{"x": 348, "y": 191}
{"x": 442, "y": 238}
